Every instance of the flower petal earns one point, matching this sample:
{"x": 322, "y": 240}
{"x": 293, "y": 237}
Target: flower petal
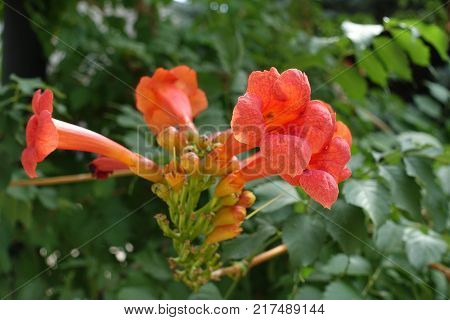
{"x": 29, "y": 161}
{"x": 344, "y": 132}
{"x": 102, "y": 167}
{"x": 333, "y": 158}
{"x": 247, "y": 122}
{"x": 41, "y": 102}
{"x": 187, "y": 81}
{"x": 260, "y": 83}
{"x": 285, "y": 154}
{"x": 315, "y": 125}
{"x": 319, "y": 185}
{"x": 46, "y": 138}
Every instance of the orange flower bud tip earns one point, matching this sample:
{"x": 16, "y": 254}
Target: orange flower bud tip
{"x": 247, "y": 199}
{"x": 232, "y": 183}
{"x": 229, "y": 215}
{"x": 223, "y": 233}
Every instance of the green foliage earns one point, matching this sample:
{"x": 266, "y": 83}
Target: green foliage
{"x": 386, "y": 79}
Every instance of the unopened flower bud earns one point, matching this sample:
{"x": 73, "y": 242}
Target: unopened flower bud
{"x": 223, "y": 233}
{"x": 204, "y": 141}
{"x": 247, "y": 199}
{"x": 190, "y": 162}
{"x": 160, "y": 190}
{"x": 229, "y": 200}
{"x": 229, "y": 215}
{"x": 168, "y": 138}
{"x": 232, "y": 183}
{"x": 189, "y": 148}
{"x": 190, "y": 134}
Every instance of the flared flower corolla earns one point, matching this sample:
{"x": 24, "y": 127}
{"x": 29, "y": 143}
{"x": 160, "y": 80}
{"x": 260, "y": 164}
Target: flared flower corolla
{"x": 169, "y": 98}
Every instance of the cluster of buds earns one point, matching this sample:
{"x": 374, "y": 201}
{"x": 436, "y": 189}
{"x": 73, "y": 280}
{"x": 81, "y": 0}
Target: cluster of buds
{"x": 290, "y": 135}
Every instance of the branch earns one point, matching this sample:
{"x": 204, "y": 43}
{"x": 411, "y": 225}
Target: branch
{"x": 440, "y": 267}
{"x": 65, "y": 179}
{"x": 238, "y": 268}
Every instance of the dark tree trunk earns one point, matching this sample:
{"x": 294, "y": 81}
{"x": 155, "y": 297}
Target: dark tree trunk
{"x": 22, "y": 53}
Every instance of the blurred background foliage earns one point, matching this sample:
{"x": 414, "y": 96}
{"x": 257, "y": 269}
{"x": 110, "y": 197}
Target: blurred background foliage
{"x": 383, "y": 65}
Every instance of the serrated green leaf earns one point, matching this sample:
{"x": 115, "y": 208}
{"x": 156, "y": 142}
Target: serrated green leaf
{"x": 423, "y": 249}
{"x": 433, "y": 197}
{"x": 345, "y": 224}
{"x": 388, "y": 237}
{"x": 354, "y": 265}
{"x": 405, "y": 192}
{"x": 304, "y": 236}
{"x": 369, "y": 195}
{"x": 284, "y": 193}
{"x": 248, "y": 244}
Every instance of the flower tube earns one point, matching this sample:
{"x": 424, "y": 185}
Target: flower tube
{"x": 45, "y": 134}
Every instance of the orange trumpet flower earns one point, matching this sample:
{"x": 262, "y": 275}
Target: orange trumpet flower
{"x": 170, "y": 97}
{"x": 45, "y": 134}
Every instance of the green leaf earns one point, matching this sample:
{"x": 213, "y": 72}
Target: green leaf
{"x": 427, "y": 105}
{"x": 369, "y": 195}
{"x": 351, "y": 82}
{"x": 354, "y": 265}
{"x": 438, "y": 91}
{"x": 394, "y": 59}
{"x": 443, "y": 174}
{"x": 339, "y": 290}
{"x": 284, "y": 193}
{"x": 423, "y": 249}
{"x": 405, "y": 191}
{"x": 248, "y": 244}
{"x": 153, "y": 264}
{"x": 413, "y": 45}
{"x": 419, "y": 143}
{"x": 345, "y": 224}
{"x": 388, "y": 237}
{"x": 135, "y": 293}
{"x": 361, "y": 34}
{"x": 304, "y": 236}
{"x": 436, "y": 37}
{"x": 207, "y": 292}
{"x": 370, "y": 63}
{"x": 308, "y": 293}
{"x": 433, "y": 197}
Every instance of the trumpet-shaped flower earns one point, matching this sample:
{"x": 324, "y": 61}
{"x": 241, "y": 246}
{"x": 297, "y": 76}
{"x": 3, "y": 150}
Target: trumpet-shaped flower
{"x": 170, "y": 97}
{"x": 45, "y": 134}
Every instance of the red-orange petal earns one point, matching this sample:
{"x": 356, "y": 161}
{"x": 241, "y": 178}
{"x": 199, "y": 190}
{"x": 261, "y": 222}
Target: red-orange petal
{"x": 261, "y": 83}
{"x": 319, "y": 185}
{"x": 46, "y": 136}
{"x": 333, "y": 158}
{"x": 102, "y": 167}
{"x": 29, "y": 161}
{"x": 247, "y": 121}
{"x": 41, "y": 102}
{"x": 315, "y": 125}
{"x": 285, "y": 154}
{"x": 187, "y": 81}
{"x": 344, "y": 132}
